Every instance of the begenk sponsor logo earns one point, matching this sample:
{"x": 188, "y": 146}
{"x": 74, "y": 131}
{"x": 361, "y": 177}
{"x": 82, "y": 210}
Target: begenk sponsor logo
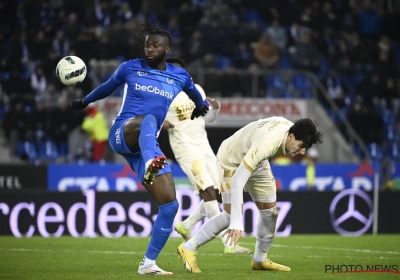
{"x": 155, "y": 90}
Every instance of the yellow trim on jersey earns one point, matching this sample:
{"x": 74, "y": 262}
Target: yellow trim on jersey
{"x": 247, "y": 166}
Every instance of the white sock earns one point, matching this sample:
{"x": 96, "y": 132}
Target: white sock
{"x": 211, "y": 208}
{"x": 265, "y": 233}
{"x": 208, "y": 231}
{"x": 146, "y": 261}
{"x": 197, "y": 215}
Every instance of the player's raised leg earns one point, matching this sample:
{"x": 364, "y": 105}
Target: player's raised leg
{"x": 139, "y": 135}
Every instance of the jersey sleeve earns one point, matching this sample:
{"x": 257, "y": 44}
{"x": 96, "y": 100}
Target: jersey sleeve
{"x": 108, "y": 87}
{"x": 191, "y": 90}
{"x": 260, "y": 150}
{"x": 120, "y": 74}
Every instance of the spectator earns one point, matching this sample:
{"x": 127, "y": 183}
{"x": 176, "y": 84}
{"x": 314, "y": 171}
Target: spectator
{"x": 61, "y": 45}
{"x": 95, "y": 125}
{"x": 16, "y": 125}
{"x": 38, "y": 80}
{"x": 336, "y": 88}
{"x": 277, "y": 34}
{"x": 265, "y": 51}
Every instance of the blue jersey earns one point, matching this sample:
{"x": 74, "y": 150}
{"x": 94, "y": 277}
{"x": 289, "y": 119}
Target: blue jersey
{"x": 147, "y": 90}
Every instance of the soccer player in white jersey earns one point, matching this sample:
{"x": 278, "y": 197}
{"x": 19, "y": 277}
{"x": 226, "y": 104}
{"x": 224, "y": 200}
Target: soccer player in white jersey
{"x": 188, "y": 137}
{"x": 244, "y": 160}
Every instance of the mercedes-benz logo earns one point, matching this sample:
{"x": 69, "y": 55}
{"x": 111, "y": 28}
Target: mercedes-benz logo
{"x": 351, "y": 212}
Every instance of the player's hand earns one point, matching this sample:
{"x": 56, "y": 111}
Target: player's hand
{"x": 167, "y": 125}
{"x": 233, "y": 236}
{"x": 214, "y": 104}
{"x": 77, "y": 104}
{"x": 199, "y": 111}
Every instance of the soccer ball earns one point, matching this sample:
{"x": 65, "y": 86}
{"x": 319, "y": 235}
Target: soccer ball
{"x": 71, "y": 70}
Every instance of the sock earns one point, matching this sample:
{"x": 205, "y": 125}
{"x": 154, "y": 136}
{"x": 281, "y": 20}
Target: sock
{"x": 208, "y": 231}
{"x": 146, "y": 261}
{"x": 147, "y": 138}
{"x": 212, "y": 209}
{"x": 198, "y": 214}
{"x": 161, "y": 229}
{"x": 265, "y": 233}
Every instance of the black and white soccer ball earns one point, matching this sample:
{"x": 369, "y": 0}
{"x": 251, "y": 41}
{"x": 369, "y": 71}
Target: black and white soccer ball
{"x": 71, "y": 70}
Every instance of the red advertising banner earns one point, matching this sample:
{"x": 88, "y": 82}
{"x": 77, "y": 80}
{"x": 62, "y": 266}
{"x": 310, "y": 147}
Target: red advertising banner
{"x": 235, "y": 112}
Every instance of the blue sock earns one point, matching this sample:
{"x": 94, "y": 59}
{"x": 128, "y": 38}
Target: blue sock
{"x": 147, "y": 137}
{"x": 161, "y": 229}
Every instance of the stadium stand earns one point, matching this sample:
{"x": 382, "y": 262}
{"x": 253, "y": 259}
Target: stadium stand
{"x": 352, "y": 47}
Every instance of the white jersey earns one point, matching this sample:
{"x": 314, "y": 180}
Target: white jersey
{"x": 258, "y": 141}
{"x": 188, "y": 135}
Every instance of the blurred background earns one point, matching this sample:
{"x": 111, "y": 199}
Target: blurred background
{"x": 336, "y": 61}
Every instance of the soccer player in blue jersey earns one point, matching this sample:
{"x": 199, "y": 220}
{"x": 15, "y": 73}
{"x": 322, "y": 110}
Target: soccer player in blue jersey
{"x": 150, "y": 86}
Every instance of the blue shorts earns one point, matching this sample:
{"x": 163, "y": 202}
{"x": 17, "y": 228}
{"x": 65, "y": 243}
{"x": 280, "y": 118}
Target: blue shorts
{"x": 135, "y": 160}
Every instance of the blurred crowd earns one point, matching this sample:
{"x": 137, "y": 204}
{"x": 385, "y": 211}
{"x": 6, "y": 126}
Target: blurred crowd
{"x": 353, "y": 50}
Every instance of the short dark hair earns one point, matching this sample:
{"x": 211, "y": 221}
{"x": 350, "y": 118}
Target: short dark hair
{"x": 176, "y": 60}
{"x": 147, "y": 28}
{"x": 306, "y": 130}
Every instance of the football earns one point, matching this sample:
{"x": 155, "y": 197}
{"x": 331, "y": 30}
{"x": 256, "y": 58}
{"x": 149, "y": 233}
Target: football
{"x": 71, "y": 70}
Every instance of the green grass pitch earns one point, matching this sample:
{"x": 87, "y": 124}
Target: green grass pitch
{"x": 118, "y": 258}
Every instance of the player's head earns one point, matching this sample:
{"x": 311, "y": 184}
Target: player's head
{"x": 302, "y": 135}
{"x": 153, "y": 42}
{"x": 178, "y": 62}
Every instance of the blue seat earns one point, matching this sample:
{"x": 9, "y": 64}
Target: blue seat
{"x": 375, "y": 151}
{"x": 306, "y": 94}
{"x": 391, "y": 133}
{"x": 301, "y": 82}
{"x": 223, "y": 62}
{"x": 393, "y": 151}
{"x": 324, "y": 67}
{"x": 387, "y": 116}
{"x": 28, "y": 149}
{"x": 285, "y": 63}
{"x": 357, "y": 151}
{"x": 275, "y": 82}
{"x": 63, "y": 149}
{"x": 48, "y": 150}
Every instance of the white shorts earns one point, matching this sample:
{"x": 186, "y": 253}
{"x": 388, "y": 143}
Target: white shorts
{"x": 261, "y": 184}
{"x": 201, "y": 169}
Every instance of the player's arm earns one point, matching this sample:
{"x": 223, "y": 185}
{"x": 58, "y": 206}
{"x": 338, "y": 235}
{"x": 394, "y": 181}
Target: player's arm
{"x": 214, "y": 110}
{"x": 238, "y": 181}
{"x": 105, "y": 89}
{"x": 194, "y": 94}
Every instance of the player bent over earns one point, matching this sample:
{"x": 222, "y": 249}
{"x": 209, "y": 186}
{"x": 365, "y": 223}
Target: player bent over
{"x": 189, "y": 142}
{"x": 244, "y": 160}
{"x": 150, "y": 86}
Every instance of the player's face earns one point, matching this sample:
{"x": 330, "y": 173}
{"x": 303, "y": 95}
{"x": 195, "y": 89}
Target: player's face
{"x": 294, "y": 147}
{"x": 155, "y": 49}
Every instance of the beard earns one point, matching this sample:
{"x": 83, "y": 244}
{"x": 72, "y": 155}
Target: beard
{"x": 156, "y": 60}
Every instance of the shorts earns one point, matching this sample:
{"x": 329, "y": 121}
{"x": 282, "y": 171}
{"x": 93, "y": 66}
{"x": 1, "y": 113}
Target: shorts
{"x": 201, "y": 169}
{"x": 135, "y": 160}
{"x": 261, "y": 184}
